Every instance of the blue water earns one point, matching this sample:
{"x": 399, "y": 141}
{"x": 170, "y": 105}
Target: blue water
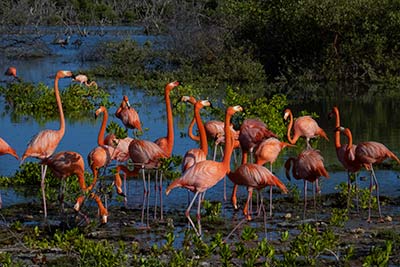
{"x": 82, "y": 136}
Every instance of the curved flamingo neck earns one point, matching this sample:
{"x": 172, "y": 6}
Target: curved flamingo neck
{"x": 337, "y": 125}
{"x": 349, "y": 136}
{"x": 190, "y": 131}
{"x": 61, "y": 131}
{"x": 202, "y": 130}
{"x": 170, "y": 122}
{"x": 291, "y": 140}
{"x": 100, "y": 137}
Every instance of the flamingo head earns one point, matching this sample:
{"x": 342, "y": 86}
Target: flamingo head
{"x": 126, "y": 100}
{"x": 65, "y": 74}
{"x": 286, "y": 114}
{"x": 189, "y": 99}
{"x": 99, "y": 111}
{"x": 172, "y": 85}
{"x": 205, "y": 103}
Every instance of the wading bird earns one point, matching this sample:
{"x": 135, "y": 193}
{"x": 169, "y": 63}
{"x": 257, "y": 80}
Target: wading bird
{"x": 65, "y": 164}
{"x": 350, "y": 165}
{"x": 195, "y": 155}
{"x": 83, "y": 79}
{"x": 252, "y": 133}
{"x": 268, "y": 151}
{"x": 367, "y": 154}
{"x": 103, "y": 154}
{"x": 205, "y": 174}
{"x": 303, "y": 126}
{"x": 147, "y": 155}
{"x": 254, "y": 176}
{"x": 309, "y": 166}
{"x": 128, "y": 115}
{"x": 5, "y": 148}
{"x": 43, "y": 145}
{"x": 12, "y": 71}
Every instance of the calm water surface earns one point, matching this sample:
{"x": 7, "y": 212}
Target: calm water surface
{"x": 369, "y": 119}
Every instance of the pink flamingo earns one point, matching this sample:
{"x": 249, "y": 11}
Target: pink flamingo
{"x": 303, "y": 126}
{"x": 309, "y": 166}
{"x": 146, "y": 154}
{"x": 83, "y": 79}
{"x": 103, "y": 154}
{"x": 205, "y": 174}
{"x": 350, "y": 165}
{"x": 5, "y": 148}
{"x": 254, "y": 176}
{"x": 367, "y": 154}
{"x": 128, "y": 115}
{"x": 252, "y": 133}
{"x": 65, "y": 164}
{"x": 268, "y": 151}
{"x": 196, "y": 154}
{"x": 45, "y": 142}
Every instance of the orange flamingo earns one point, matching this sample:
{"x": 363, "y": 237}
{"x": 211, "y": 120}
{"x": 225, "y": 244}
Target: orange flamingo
{"x": 252, "y": 133}
{"x": 128, "y": 115}
{"x": 68, "y": 163}
{"x": 146, "y": 154}
{"x": 254, "y": 176}
{"x": 367, "y": 154}
{"x": 205, "y": 174}
{"x": 268, "y": 151}
{"x": 303, "y": 126}
{"x": 309, "y": 166}
{"x": 83, "y": 79}
{"x": 350, "y": 165}
{"x": 5, "y": 148}
{"x": 12, "y": 71}
{"x": 103, "y": 154}
{"x": 45, "y": 142}
{"x": 196, "y": 154}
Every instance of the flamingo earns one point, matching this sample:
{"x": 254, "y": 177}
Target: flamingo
{"x": 45, "y": 142}
{"x": 5, "y": 148}
{"x": 367, "y": 154}
{"x": 103, "y": 154}
{"x": 252, "y": 133}
{"x": 303, "y": 126}
{"x": 83, "y": 79}
{"x": 196, "y": 154}
{"x": 205, "y": 174}
{"x": 309, "y": 166}
{"x": 146, "y": 154}
{"x": 68, "y": 163}
{"x": 268, "y": 151}
{"x": 254, "y": 176}
{"x": 12, "y": 71}
{"x": 350, "y": 165}
{"x": 128, "y": 115}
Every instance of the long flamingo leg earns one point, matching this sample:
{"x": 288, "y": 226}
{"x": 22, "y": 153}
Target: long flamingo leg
{"x": 377, "y": 194}
{"x": 126, "y": 192}
{"x": 305, "y": 199}
{"x": 270, "y": 201}
{"x": 370, "y": 197}
{"x": 161, "y": 197}
{"x": 155, "y": 196}
{"x": 43, "y": 185}
{"x": 233, "y": 197}
{"x": 199, "y": 214}
{"x": 187, "y": 213}
{"x": 246, "y": 210}
{"x": 356, "y": 188}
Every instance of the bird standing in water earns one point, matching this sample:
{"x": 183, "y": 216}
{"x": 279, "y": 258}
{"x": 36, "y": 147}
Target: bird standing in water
{"x": 205, "y": 174}
{"x": 43, "y": 145}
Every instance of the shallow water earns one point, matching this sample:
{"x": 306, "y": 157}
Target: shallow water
{"x": 369, "y": 119}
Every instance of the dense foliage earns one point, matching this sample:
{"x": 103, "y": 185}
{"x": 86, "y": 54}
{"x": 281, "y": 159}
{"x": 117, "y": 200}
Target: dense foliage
{"x": 277, "y": 46}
